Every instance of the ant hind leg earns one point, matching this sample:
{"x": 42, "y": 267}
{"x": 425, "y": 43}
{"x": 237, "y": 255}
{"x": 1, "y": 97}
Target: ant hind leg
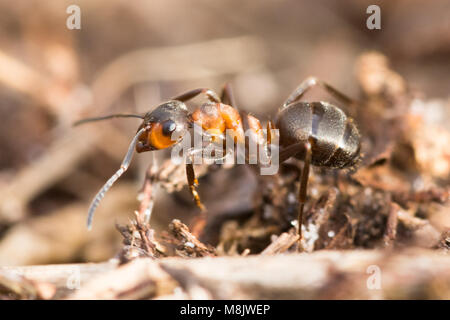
{"x": 303, "y": 189}
{"x": 310, "y": 82}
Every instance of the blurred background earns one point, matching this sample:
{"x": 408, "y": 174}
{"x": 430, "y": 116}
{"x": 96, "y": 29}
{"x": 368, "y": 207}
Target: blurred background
{"x": 129, "y": 56}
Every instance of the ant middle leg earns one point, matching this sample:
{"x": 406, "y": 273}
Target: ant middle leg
{"x": 210, "y": 95}
{"x": 227, "y": 95}
{"x": 310, "y": 82}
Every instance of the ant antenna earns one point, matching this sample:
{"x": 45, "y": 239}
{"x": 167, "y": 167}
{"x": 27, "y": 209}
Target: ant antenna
{"x": 118, "y": 115}
{"x": 123, "y": 167}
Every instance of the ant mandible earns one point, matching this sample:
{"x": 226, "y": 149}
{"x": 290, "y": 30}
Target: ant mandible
{"x": 318, "y": 133}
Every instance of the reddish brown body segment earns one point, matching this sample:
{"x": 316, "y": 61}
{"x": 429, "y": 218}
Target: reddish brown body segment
{"x": 216, "y": 118}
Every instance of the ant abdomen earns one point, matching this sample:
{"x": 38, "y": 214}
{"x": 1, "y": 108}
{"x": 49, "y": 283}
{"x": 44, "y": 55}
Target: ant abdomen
{"x": 335, "y": 140}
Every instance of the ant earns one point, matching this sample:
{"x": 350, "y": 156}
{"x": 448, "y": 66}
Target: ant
{"x": 318, "y": 133}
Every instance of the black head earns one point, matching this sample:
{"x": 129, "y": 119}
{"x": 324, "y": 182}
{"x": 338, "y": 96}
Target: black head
{"x": 166, "y": 125}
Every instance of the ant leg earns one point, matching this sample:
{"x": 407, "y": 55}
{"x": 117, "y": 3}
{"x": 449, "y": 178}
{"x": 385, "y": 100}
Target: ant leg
{"x": 310, "y": 82}
{"x": 210, "y": 95}
{"x": 303, "y": 187}
{"x": 193, "y": 183}
{"x": 200, "y": 221}
{"x": 227, "y": 95}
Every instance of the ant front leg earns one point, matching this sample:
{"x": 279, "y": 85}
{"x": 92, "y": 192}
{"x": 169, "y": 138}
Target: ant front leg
{"x": 303, "y": 188}
{"x": 210, "y": 95}
{"x": 310, "y": 82}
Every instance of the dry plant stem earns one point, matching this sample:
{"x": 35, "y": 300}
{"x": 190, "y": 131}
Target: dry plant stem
{"x": 190, "y": 243}
{"x": 284, "y": 241}
{"x": 432, "y": 195}
{"x": 62, "y": 277}
{"x": 15, "y": 286}
{"x": 319, "y": 275}
{"x": 391, "y": 227}
{"x": 139, "y": 279}
{"x": 190, "y": 284}
{"x": 142, "y": 227}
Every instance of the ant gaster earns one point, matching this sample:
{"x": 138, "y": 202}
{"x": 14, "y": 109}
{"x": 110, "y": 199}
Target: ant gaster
{"x": 318, "y": 133}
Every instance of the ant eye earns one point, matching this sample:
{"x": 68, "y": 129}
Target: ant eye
{"x": 168, "y": 127}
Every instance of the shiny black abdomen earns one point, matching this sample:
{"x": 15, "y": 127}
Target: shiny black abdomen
{"x": 335, "y": 138}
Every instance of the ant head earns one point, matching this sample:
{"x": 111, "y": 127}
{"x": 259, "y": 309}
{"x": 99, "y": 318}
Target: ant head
{"x": 166, "y": 125}
{"x": 161, "y": 128}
